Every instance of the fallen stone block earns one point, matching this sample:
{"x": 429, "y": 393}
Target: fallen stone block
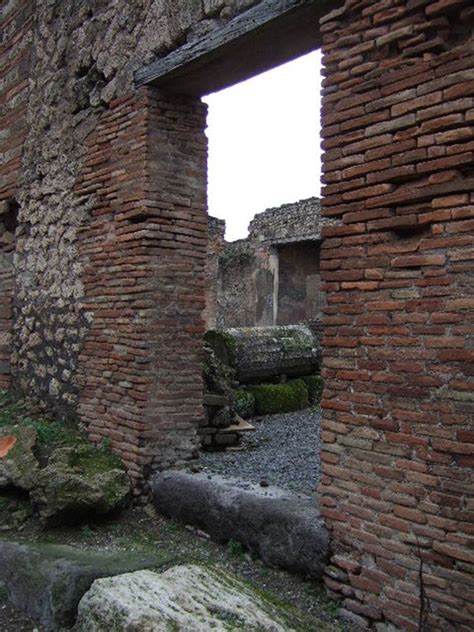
{"x": 47, "y": 582}
{"x": 189, "y": 597}
{"x": 78, "y": 483}
{"x": 263, "y": 352}
{"x": 284, "y": 529}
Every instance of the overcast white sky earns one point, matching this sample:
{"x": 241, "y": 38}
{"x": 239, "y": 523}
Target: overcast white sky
{"x": 264, "y": 143}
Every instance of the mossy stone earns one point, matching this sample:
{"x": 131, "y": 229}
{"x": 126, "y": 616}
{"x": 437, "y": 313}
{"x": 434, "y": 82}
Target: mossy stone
{"x": 244, "y": 403}
{"x": 315, "y": 384}
{"x": 223, "y": 345}
{"x": 77, "y": 483}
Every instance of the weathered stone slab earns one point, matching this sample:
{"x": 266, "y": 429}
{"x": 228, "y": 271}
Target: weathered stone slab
{"x": 189, "y": 597}
{"x": 284, "y": 529}
{"x": 47, "y": 582}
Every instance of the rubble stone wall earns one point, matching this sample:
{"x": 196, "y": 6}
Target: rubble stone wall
{"x": 398, "y": 455}
{"x": 287, "y": 223}
{"x": 8, "y": 216}
{"x": 236, "y": 291}
{"x": 15, "y": 57}
{"x": 69, "y": 81}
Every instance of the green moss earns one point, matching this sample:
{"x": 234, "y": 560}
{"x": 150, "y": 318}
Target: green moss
{"x": 244, "y": 403}
{"x": 280, "y": 398}
{"x": 315, "y": 384}
{"x": 53, "y": 434}
{"x": 223, "y": 344}
{"x": 10, "y": 412}
{"x": 236, "y": 549}
{"x": 91, "y": 460}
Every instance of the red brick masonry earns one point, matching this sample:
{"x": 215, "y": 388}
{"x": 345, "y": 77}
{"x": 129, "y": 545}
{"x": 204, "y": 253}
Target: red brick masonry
{"x": 143, "y": 254}
{"x": 397, "y": 486}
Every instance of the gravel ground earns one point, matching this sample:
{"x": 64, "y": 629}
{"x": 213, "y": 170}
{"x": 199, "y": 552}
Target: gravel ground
{"x": 283, "y": 451}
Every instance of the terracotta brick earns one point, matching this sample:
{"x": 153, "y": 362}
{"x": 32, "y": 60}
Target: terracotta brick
{"x": 414, "y": 224}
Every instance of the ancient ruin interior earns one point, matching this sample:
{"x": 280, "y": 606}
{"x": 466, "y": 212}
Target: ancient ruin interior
{"x": 270, "y": 278}
{"x": 104, "y": 244}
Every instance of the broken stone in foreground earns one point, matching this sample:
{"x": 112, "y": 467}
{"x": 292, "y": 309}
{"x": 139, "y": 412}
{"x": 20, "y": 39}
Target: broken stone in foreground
{"x": 47, "y": 581}
{"x": 188, "y": 597}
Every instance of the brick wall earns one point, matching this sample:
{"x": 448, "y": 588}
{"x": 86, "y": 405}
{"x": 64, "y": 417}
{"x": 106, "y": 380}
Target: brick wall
{"x": 397, "y": 485}
{"x": 80, "y": 57}
{"x": 143, "y": 254}
{"x": 15, "y": 50}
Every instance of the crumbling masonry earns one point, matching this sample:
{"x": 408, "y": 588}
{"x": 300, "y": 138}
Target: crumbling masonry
{"x": 101, "y": 308}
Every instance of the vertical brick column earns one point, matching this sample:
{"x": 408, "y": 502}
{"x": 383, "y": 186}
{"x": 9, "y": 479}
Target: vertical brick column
{"x": 397, "y": 263}
{"x": 143, "y": 253}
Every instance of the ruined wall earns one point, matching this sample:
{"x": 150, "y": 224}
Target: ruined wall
{"x": 249, "y": 288}
{"x": 83, "y": 121}
{"x": 287, "y": 223}
{"x": 15, "y": 56}
{"x": 8, "y": 221}
{"x": 397, "y": 485}
{"x": 235, "y": 285}
{"x": 109, "y": 267}
{"x": 298, "y": 283}
{"x": 215, "y": 247}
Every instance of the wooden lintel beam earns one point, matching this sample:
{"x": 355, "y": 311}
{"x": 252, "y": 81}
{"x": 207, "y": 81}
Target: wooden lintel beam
{"x": 265, "y": 36}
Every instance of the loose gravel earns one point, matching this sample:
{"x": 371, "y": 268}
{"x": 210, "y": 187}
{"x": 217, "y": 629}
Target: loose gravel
{"x": 284, "y": 450}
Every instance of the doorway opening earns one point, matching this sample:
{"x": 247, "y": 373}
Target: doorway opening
{"x": 263, "y": 37}
{"x": 263, "y": 286}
